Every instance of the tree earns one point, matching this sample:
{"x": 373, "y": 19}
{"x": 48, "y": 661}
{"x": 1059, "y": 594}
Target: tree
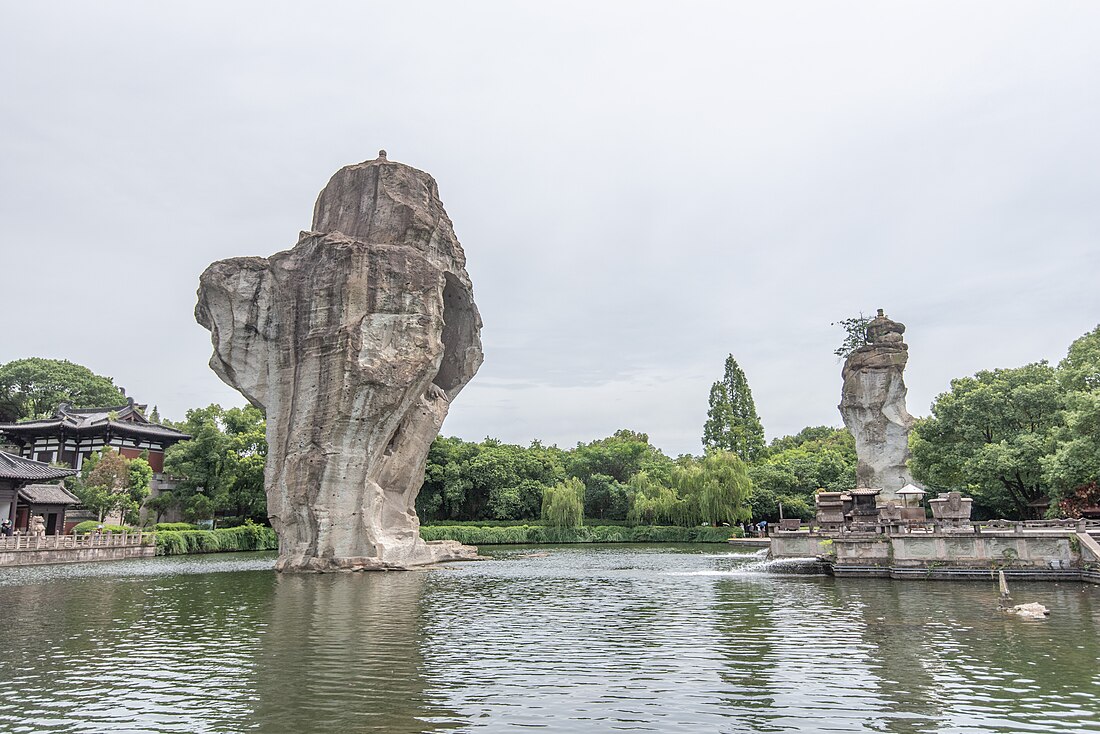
{"x": 989, "y": 435}
{"x": 817, "y": 457}
{"x": 716, "y": 488}
{"x": 34, "y": 387}
{"x": 732, "y": 423}
{"x": 563, "y": 504}
{"x": 653, "y": 503}
{"x": 855, "y": 334}
{"x": 139, "y": 479}
{"x": 109, "y": 482}
{"x": 1075, "y": 464}
{"x": 221, "y": 467}
{"x": 1082, "y": 498}
{"x": 490, "y": 480}
{"x": 606, "y": 467}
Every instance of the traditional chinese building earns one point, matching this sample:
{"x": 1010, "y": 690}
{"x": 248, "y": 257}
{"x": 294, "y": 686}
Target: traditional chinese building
{"x": 71, "y": 435}
{"x": 22, "y": 496}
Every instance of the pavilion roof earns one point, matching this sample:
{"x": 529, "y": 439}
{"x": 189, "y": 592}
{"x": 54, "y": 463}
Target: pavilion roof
{"x": 123, "y": 420}
{"x": 48, "y": 494}
{"x": 27, "y": 470}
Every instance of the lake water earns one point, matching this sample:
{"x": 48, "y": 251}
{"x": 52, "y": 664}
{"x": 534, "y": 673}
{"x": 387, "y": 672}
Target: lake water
{"x": 587, "y": 639}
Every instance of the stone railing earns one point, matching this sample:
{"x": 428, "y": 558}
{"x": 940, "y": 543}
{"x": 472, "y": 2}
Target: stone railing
{"x": 91, "y": 540}
{"x": 975, "y": 527}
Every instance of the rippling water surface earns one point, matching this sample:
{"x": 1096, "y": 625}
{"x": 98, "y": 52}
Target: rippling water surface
{"x": 584, "y": 639}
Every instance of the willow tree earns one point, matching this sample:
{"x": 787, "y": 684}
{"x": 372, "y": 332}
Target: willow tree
{"x": 732, "y": 423}
{"x": 716, "y": 489}
{"x": 563, "y": 504}
{"x": 655, "y": 504}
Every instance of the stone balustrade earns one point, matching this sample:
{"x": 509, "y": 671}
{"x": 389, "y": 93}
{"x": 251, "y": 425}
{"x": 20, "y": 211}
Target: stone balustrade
{"x": 28, "y": 541}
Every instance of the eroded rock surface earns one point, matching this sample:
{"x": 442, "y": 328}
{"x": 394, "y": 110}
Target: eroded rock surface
{"x": 872, "y": 403}
{"x": 355, "y": 342}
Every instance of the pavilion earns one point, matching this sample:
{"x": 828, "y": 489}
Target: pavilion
{"x": 22, "y": 494}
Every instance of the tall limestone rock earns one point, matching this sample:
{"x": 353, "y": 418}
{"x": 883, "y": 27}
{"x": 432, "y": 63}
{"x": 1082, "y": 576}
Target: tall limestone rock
{"x": 872, "y": 402}
{"x": 355, "y": 342}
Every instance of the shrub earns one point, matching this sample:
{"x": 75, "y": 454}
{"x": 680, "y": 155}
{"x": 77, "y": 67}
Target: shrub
{"x": 89, "y": 526}
{"x": 247, "y": 537}
{"x": 162, "y": 526}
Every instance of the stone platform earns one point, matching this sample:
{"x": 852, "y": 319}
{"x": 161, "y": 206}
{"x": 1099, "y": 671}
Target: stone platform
{"x": 1035, "y": 553}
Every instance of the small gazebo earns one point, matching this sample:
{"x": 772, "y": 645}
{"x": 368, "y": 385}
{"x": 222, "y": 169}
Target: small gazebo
{"x": 911, "y": 497}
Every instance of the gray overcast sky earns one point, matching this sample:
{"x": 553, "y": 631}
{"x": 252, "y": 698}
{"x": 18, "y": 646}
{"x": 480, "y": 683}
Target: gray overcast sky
{"x": 641, "y": 188}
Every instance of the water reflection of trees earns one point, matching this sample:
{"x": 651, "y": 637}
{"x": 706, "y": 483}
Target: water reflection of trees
{"x": 807, "y": 650}
{"x": 342, "y": 653}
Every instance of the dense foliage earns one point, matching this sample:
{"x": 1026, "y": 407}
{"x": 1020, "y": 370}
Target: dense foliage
{"x": 520, "y": 534}
{"x": 246, "y": 537}
{"x": 618, "y": 478}
{"x": 732, "y": 423}
{"x": 796, "y": 467}
{"x": 563, "y": 504}
{"x": 109, "y": 482}
{"x": 221, "y": 469}
{"x": 34, "y": 387}
{"x": 1017, "y": 440}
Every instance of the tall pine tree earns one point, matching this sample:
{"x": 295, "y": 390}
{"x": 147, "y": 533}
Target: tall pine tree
{"x": 732, "y": 423}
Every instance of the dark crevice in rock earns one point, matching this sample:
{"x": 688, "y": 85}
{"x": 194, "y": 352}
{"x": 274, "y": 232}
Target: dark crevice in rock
{"x": 459, "y": 332}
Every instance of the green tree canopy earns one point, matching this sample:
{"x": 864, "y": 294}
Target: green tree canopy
{"x": 34, "y": 387}
{"x": 988, "y": 437}
{"x": 606, "y": 467}
{"x": 222, "y": 467}
{"x": 732, "y": 423}
{"x": 486, "y": 481}
{"x": 109, "y": 482}
{"x": 1076, "y": 461}
{"x": 563, "y": 504}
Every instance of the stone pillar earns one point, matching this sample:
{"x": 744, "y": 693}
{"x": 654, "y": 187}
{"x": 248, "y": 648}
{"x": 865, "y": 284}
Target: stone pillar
{"x": 872, "y": 404}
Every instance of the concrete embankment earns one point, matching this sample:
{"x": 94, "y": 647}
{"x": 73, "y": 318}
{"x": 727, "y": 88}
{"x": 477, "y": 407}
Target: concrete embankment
{"x": 1040, "y": 555}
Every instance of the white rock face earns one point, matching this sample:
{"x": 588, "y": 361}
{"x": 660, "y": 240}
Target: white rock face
{"x": 872, "y": 403}
{"x": 355, "y": 342}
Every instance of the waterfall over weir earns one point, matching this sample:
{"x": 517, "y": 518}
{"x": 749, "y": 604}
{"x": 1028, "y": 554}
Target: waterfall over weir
{"x": 759, "y": 564}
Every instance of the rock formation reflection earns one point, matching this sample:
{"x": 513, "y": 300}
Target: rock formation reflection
{"x": 342, "y": 653}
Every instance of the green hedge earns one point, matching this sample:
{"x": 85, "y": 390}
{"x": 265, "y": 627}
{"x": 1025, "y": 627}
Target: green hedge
{"x": 89, "y": 526}
{"x": 163, "y": 526}
{"x": 529, "y": 534}
{"x": 592, "y": 521}
{"x": 242, "y": 538}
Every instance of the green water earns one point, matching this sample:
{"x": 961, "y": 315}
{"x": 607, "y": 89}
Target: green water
{"x": 586, "y": 639}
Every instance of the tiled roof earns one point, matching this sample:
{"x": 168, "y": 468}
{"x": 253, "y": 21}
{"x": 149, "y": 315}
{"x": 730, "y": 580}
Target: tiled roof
{"x": 48, "y": 494}
{"x": 123, "y": 420}
{"x": 16, "y": 467}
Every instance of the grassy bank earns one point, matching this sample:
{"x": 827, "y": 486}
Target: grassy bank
{"x": 243, "y": 538}
{"x": 521, "y": 534}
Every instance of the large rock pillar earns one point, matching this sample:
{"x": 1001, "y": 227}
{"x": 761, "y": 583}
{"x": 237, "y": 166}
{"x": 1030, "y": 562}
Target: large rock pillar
{"x": 355, "y": 342}
{"x": 872, "y": 403}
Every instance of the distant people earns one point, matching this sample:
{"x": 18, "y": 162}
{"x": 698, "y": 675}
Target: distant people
{"x": 6, "y": 528}
{"x": 762, "y": 526}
